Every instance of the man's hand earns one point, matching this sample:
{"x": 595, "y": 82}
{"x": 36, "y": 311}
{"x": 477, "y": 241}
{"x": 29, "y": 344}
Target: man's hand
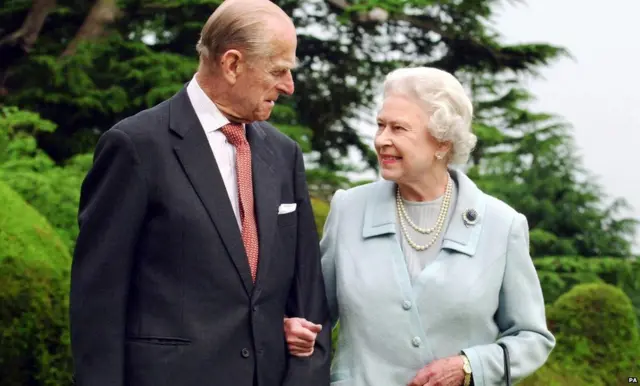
{"x": 301, "y": 336}
{"x": 441, "y": 372}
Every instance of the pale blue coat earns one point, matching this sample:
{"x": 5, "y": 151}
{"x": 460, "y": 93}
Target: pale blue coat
{"x": 482, "y": 288}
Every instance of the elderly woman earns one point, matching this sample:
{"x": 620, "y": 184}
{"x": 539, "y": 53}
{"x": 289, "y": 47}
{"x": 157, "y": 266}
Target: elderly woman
{"x": 427, "y": 273}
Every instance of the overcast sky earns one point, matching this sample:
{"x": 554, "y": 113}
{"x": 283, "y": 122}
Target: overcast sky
{"x": 597, "y": 91}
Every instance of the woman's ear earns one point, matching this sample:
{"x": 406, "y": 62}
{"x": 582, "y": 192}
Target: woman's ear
{"x": 443, "y": 150}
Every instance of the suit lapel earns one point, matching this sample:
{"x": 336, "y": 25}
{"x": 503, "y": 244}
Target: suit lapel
{"x": 195, "y": 155}
{"x": 265, "y": 193}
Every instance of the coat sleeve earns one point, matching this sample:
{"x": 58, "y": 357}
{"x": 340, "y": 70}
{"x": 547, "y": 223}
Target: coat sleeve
{"x": 520, "y": 317}
{"x": 328, "y": 251}
{"x": 112, "y": 207}
{"x": 308, "y": 299}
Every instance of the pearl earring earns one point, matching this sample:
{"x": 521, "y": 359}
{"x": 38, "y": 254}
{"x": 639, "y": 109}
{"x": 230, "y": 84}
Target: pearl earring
{"x": 439, "y": 155}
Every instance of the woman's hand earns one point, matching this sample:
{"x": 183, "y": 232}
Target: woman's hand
{"x": 441, "y": 372}
{"x": 301, "y": 336}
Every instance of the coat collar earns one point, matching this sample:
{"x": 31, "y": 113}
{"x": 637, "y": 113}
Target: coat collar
{"x": 380, "y": 214}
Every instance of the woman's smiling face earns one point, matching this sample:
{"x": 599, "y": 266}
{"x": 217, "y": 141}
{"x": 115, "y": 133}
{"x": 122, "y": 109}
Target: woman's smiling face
{"x": 406, "y": 150}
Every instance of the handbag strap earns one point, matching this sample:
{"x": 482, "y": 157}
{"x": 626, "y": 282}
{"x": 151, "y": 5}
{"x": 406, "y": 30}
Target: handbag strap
{"x": 507, "y": 363}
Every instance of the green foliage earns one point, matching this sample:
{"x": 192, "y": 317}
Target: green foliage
{"x": 99, "y": 85}
{"x": 320, "y": 212}
{"x": 33, "y": 318}
{"x": 335, "y": 333}
{"x": 559, "y": 274}
{"x": 53, "y": 190}
{"x": 25, "y": 234}
{"x": 529, "y": 161}
{"x": 544, "y": 243}
{"x": 554, "y": 374}
{"x": 596, "y": 332}
{"x": 148, "y": 52}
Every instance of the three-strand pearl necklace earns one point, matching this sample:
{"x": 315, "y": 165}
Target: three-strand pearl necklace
{"x": 436, "y": 229}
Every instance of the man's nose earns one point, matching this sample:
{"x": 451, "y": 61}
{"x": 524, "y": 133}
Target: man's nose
{"x": 286, "y": 86}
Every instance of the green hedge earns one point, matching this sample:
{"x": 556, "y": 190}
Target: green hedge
{"x": 597, "y": 338}
{"x": 559, "y": 274}
{"x": 53, "y": 190}
{"x": 34, "y": 265}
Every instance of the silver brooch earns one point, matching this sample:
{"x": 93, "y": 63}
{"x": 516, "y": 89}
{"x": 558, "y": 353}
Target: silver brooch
{"x": 470, "y": 217}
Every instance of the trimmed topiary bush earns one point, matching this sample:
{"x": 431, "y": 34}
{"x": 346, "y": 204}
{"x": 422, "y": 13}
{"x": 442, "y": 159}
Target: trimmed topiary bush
{"x": 34, "y": 266}
{"x": 25, "y": 234}
{"x": 54, "y": 192}
{"x": 597, "y": 333}
{"x": 559, "y": 274}
{"x": 52, "y": 189}
{"x": 597, "y": 339}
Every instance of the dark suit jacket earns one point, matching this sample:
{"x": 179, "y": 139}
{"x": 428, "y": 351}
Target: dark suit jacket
{"x": 161, "y": 292}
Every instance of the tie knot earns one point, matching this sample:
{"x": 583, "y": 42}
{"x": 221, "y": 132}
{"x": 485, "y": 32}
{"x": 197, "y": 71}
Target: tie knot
{"x": 234, "y": 133}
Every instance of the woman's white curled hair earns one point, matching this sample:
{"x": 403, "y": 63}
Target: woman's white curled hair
{"x": 446, "y": 103}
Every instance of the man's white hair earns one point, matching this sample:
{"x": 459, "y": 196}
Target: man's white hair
{"x": 446, "y": 103}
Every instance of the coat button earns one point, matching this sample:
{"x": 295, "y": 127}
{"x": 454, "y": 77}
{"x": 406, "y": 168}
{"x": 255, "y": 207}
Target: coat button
{"x": 416, "y": 342}
{"x": 245, "y": 353}
{"x": 406, "y": 305}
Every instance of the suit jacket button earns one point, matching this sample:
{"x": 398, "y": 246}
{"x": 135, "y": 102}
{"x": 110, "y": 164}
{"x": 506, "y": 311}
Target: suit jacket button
{"x": 416, "y": 342}
{"x": 245, "y": 353}
{"x": 406, "y": 305}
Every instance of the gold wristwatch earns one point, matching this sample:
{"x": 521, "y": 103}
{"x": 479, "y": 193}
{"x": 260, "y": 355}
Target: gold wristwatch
{"x": 466, "y": 367}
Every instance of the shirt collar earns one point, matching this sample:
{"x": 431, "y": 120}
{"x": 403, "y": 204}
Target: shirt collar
{"x": 205, "y": 109}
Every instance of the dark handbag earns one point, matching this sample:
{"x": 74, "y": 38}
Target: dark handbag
{"x": 507, "y": 362}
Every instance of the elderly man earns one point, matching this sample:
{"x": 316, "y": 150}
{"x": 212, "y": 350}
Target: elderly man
{"x": 196, "y": 230}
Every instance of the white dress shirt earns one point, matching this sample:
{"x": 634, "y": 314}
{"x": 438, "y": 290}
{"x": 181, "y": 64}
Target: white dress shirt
{"x": 212, "y": 120}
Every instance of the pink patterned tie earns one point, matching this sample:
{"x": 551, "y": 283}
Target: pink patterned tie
{"x": 235, "y": 135}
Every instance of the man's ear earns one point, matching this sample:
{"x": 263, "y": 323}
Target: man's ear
{"x": 231, "y": 64}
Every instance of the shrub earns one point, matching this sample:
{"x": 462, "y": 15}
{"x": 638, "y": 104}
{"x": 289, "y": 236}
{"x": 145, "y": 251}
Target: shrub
{"x": 25, "y": 234}
{"x": 55, "y": 193}
{"x": 597, "y": 334}
{"x": 34, "y": 343}
{"x": 52, "y": 189}
{"x": 559, "y": 274}
{"x": 34, "y": 265}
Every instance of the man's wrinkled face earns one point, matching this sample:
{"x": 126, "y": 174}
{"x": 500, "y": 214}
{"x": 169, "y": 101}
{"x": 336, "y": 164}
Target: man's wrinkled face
{"x": 259, "y": 87}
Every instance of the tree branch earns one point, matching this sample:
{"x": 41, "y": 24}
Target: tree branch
{"x": 102, "y": 13}
{"x": 379, "y": 15}
{"x": 19, "y": 43}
